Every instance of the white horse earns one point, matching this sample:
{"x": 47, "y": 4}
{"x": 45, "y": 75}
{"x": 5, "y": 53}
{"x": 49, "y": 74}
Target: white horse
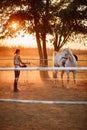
{"x": 65, "y": 59}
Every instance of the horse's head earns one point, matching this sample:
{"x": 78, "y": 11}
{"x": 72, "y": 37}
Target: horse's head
{"x": 66, "y": 51}
{"x": 68, "y": 54}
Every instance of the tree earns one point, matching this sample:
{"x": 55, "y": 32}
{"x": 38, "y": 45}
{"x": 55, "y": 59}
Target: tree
{"x": 72, "y": 19}
{"x": 35, "y": 13}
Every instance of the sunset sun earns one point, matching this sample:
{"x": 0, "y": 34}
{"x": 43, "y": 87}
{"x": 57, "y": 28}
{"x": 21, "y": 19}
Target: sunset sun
{"x": 14, "y": 25}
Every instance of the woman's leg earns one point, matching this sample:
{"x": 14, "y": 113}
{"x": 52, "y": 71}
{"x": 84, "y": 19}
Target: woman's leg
{"x": 17, "y": 73}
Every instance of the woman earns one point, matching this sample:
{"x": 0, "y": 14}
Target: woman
{"x": 17, "y": 63}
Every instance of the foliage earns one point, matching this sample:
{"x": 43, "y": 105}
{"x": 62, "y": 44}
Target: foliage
{"x": 69, "y": 17}
{"x": 75, "y": 15}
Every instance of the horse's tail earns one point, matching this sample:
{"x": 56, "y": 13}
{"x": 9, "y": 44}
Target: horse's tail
{"x": 75, "y": 57}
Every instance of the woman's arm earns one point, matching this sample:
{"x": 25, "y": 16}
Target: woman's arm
{"x": 21, "y": 61}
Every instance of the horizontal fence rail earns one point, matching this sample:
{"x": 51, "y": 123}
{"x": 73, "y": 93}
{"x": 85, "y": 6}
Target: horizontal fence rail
{"x": 44, "y": 68}
{"x": 49, "y": 59}
{"x": 45, "y": 102}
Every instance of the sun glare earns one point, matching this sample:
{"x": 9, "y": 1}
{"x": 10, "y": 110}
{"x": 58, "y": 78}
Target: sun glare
{"x": 14, "y": 25}
{"x": 25, "y": 40}
{"x": 22, "y": 39}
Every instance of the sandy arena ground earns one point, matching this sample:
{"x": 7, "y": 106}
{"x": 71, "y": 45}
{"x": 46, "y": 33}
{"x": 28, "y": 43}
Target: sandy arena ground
{"x": 20, "y": 116}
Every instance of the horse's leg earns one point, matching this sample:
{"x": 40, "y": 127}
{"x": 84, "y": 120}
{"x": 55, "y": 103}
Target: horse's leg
{"x": 68, "y": 78}
{"x": 74, "y": 78}
{"x": 55, "y": 76}
{"x": 62, "y": 73}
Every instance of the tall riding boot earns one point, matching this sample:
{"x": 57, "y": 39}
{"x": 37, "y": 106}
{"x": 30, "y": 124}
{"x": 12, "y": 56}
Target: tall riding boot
{"x": 15, "y": 86}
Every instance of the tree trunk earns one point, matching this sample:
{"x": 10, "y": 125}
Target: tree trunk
{"x": 45, "y": 61}
{"x": 55, "y": 42}
{"x": 36, "y": 21}
{"x": 39, "y": 48}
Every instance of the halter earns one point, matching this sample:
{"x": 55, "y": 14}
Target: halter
{"x": 64, "y": 58}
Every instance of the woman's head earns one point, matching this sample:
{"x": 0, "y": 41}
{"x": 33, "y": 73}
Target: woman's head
{"x": 17, "y": 51}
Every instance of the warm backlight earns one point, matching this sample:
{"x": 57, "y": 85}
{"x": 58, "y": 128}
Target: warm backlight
{"x": 21, "y": 39}
{"x": 14, "y": 25}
